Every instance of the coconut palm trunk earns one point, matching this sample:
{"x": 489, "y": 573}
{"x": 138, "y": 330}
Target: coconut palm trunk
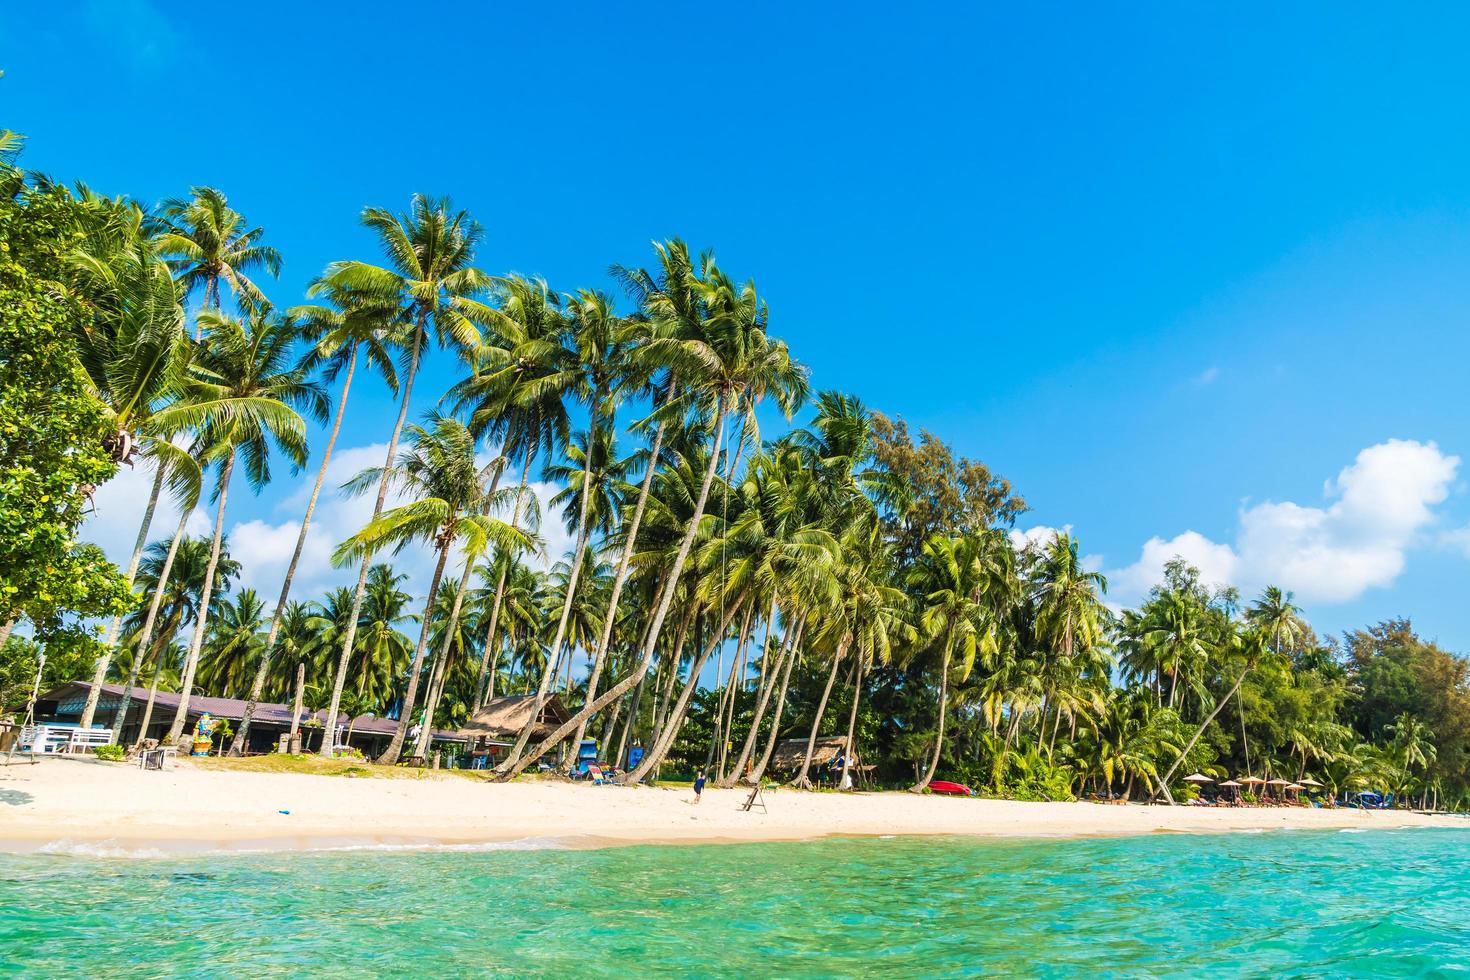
{"x": 549, "y": 675}
{"x": 296, "y": 703}
{"x": 146, "y": 636}
{"x": 152, "y": 697}
{"x": 390, "y": 755}
{"x": 262, "y": 671}
{"x": 442, "y": 661}
{"x": 726, "y": 715}
{"x": 629, "y": 726}
{"x": 191, "y": 661}
{"x": 655, "y": 628}
{"x": 345, "y": 657}
{"x": 405, "y": 716}
{"x": 803, "y": 779}
{"x": 490, "y": 656}
{"x": 665, "y": 739}
{"x": 770, "y": 671}
{"x": 104, "y": 660}
{"x": 851, "y": 751}
{"x": 1163, "y": 786}
{"x": 923, "y": 783}
{"x": 619, "y": 579}
{"x": 760, "y": 768}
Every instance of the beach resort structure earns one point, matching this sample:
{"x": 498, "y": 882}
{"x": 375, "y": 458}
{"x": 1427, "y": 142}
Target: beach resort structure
{"x": 61, "y": 708}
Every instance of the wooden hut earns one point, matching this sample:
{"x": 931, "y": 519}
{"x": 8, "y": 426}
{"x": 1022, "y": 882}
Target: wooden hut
{"x": 789, "y": 753}
{"x": 502, "y": 717}
{"x": 491, "y": 730}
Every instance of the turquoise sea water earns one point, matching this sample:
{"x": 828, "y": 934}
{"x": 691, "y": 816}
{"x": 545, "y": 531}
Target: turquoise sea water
{"x": 1381, "y": 903}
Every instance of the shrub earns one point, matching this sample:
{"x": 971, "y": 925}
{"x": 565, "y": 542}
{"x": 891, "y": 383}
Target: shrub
{"x": 110, "y": 753}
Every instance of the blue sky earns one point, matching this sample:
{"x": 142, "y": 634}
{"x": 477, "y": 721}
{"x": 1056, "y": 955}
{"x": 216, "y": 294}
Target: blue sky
{"x": 1170, "y": 269}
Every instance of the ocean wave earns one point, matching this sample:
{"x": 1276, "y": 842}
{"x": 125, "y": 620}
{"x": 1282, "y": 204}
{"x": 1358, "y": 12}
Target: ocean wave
{"x": 101, "y": 849}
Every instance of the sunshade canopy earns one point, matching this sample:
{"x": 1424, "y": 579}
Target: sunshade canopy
{"x": 1229, "y": 782}
{"x": 1198, "y": 777}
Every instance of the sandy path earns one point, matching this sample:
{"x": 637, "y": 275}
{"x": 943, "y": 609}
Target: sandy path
{"x": 75, "y": 802}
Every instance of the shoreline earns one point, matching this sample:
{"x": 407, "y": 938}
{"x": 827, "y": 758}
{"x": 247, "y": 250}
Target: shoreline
{"x": 84, "y": 808}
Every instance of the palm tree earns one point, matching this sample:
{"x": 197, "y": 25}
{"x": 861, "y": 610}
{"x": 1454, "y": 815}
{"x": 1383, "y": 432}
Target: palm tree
{"x": 729, "y": 370}
{"x": 596, "y": 343}
{"x": 207, "y": 241}
{"x": 175, "y": 576}
{"x": 241, "y": 398}
{"x": 1069, "y": 619}
{"x": 1413, "y": 741}
{"x": 432, "y": 279}
{"x": 957, "y": 578}
{"x": 730, "y": 365}
{"x": 446, "y": 498}
{"x": 232, "y": 645}
{"x": 351, "y": 323}
{"x": 134, "y": 350}
{"x": 382, "y": 651}
{"x": 671, "y": 305}
{"x": 1247, "y": 646}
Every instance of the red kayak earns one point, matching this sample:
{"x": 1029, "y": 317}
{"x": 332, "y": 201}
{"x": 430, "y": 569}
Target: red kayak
{"x": 950, "y": 789}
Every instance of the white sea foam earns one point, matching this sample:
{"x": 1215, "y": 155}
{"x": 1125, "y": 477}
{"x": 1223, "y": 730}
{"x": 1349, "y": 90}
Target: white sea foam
{"x": 100, "y": 849}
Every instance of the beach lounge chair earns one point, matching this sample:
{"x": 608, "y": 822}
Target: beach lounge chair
{"x": 595, "y": 774}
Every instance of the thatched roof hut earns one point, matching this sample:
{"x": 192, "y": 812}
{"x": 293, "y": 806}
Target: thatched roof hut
{"x": 503, "y": 717}
{"x": 789, "y": 752}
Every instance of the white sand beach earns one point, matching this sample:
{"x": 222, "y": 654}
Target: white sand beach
{"x": 60, "y": 804}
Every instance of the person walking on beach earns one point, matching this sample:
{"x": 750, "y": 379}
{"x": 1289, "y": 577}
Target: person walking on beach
{"x": 698, "y": 786}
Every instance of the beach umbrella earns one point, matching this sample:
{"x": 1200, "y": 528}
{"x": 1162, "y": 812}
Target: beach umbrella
{"x": 1296, "y": 786}
{"x": 1310, "y": 782}
{"x": 1252, "y": 780}
{"x": 1278, "y": 782}
{"x": 1230, "y": 782}
{"x": 1198, "y": 777}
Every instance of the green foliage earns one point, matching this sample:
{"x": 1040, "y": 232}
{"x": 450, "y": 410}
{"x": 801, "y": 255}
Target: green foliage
{"x": 52, "y": 427}
{"x": 110, "y": 753}
{"x": 68, "y": 653}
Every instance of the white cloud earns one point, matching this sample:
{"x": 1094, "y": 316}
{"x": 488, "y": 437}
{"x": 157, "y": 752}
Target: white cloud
{"x": 1217, "y": 563}
{"x": 1037, "y": 536}
{"x": 1379, "y": 507}
{"x": 117, "y": 510}
{"x": 1206, "y": 376}
{"x": 1042, "y": 535}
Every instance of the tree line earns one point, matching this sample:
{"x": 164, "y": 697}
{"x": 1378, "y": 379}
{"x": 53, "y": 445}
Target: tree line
{"x": 724, "y": 590}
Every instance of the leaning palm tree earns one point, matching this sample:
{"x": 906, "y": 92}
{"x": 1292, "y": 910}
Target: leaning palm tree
{"x": 431, "y": 277}
{"x": 587, "y": 366}
{"x": 728, "y": 360}
{"x": 445, "y": 489}
{"x": 207, "y": 242}
{"x": 730, "y": 369}
{"x": 134, "y": 349}
{"x": 514, "y": 394}
{"x": 1247, "y": 646}
{"x": 241, "y": 397}
{"x": 351, "y": 324}
{"x": 175, "y": 578}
